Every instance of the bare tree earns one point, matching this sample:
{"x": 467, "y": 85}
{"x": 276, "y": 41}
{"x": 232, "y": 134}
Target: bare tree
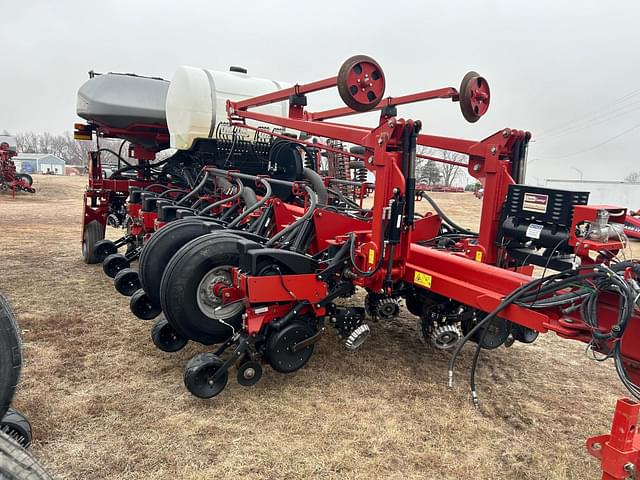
{"x": 633, "y": 177}
{"x": 449, "y": 172}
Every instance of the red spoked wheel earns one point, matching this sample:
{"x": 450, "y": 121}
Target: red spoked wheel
{"x": 474, "y": 96}
{"x": 361, "y": 83}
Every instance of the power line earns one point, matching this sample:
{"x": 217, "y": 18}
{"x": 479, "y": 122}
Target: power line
{"x": 606, "y": 110}
{"x": 608, "y": 140}
{"x": 592, "y": 122}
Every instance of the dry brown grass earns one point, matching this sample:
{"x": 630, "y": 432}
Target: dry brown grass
{"x": 106, "y": 404}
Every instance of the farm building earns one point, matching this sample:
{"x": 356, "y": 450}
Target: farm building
{"x": 39, "y": 163}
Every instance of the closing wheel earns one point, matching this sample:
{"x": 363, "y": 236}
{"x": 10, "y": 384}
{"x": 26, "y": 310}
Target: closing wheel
{"x": 103, "y": 248}
{"x": 142, "y": 307}
{"x": 361, "y": 83}
{"x": 162, "y": 246}
{"x": 127, "y": 282}
{"x": 199, "y": 372}
{"x": 166, "y": 338}
{"x": 192, "y": 292}
{"x": 474, "y": 96}
{"x": 249, "y": 373}
{"x": 114, "y": 264}
{"x": 16, "y": 426}
{"x": 93, "y": 233}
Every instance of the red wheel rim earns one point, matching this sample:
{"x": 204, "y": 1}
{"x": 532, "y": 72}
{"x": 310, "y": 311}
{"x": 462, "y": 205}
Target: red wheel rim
{"x": 365, "y": 82}
{"x": 478, "y": 95}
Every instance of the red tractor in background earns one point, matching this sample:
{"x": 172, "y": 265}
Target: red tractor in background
{"x": 9, "y": 178}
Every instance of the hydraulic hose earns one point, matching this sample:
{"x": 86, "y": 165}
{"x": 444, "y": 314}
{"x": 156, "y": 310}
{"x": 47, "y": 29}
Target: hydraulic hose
{"x": 249, "y": 196}
{"x": 195, "y": 190}
{"x": 313, "y": 202}
{"x": 239, "y": 189}
{"x": 318, "y": 185}
{"x": 253, "y": 207}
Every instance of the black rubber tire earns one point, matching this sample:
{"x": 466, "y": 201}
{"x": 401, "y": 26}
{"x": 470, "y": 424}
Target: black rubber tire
{"x": 17, "y": 463}
{"x": 10, "y": 355}
{"x": 115, "y": 263}
{"x": 165, "y": 337}
{"x": 26, "y": 177}
{"x": 196, "y": 371}
{"x": 93, "y": 233}
{"x": 16, "y": 425}
{"x": 142, "y": 308}
{"x": 163, "y": 245}
{"x": 127, "y": 282}
{"x": 104, "y": 248}
{"x": 179, "y": 287}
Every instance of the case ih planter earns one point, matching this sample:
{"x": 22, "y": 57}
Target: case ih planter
{"x": 261, "y": 280}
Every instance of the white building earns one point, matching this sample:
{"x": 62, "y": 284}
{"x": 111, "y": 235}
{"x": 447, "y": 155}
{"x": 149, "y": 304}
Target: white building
{"x": 39, "y": 163}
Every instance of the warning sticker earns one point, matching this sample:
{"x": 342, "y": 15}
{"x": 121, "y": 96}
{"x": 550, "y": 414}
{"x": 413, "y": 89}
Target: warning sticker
{"x": 479, "y": 256}
{"x": 372, "y": 257}
{"x": 534, "y": 230}
{"x": 422, "y": 279}
{"x": 535, "y": 202}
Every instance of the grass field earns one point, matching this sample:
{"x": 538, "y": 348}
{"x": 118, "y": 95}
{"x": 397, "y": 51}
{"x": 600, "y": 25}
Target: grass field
{"x": 105, "y": 404}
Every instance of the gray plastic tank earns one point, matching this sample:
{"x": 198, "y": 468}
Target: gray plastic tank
{"x": 119, "y": 100}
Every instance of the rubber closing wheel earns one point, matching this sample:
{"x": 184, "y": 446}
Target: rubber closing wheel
{"x": 142, "y": 307}
{"x": 198, "y": 375}
{"x": 114, "y": 264}
{"x": 127, "y": 282}
{"x": 103, "y": 248}
{"x": 93, "y": 233}
{"x": 361, "y": 83}
{"x": 166, "y": 338}
{"x": 474, "y": 96}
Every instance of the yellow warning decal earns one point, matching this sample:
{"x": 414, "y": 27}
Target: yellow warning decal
{"x": 372, "y": 257}
{"x": 422, "y": 279}
{"x": 479, "y": 256}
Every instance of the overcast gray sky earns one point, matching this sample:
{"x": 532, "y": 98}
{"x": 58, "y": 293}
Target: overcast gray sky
{"x": 568, "y": 71}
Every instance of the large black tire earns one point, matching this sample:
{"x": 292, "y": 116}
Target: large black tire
{"x": 10, "y": 355}
{"x": 93, "y": 232}
{"x": 184, "y": 280}
{"x": 16, "y": 463}
{"x": 163, "y": 245}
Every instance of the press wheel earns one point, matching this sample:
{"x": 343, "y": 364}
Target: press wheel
{"x": 198, "y": 375}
